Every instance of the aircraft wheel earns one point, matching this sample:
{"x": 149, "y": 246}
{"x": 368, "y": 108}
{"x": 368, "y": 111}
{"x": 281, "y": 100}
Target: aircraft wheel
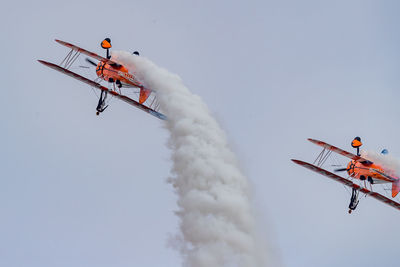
{"x": 119, "y": 84}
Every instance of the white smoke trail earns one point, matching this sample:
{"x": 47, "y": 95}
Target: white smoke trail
{"x": 217, "y": 222}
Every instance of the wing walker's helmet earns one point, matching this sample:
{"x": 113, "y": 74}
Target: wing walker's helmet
{"x": 356, "y": 143}
{"x": 106, "y": 44}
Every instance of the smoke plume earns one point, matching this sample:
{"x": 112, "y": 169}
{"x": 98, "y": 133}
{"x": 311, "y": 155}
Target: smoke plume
{"x": 217, "y": 222}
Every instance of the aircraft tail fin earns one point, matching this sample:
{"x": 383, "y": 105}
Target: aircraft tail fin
{"x": 144, "y": 94}
{"x": 395, "y": 188}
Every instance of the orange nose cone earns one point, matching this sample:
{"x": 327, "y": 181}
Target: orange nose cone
{"x": 356, "y": 142}
{"x": 99, "y": 69}
{"x": 106, "y": 43}
{"x": 350, "y": 168}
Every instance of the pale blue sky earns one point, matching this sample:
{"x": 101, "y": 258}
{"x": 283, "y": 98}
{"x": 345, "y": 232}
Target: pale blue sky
{"x": 81, "y": 190}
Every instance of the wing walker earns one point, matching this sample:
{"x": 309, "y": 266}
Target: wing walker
{"x": 116, "y": 75}
{"x": 358, "y": 169}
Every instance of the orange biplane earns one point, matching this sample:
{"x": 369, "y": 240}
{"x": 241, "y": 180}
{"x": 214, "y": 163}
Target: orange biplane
{"x": 359, "y": 168}
{"x": 117, "y": 76}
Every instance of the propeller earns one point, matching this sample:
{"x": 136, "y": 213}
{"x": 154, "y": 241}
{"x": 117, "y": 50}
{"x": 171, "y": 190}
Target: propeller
{"x": 341, "y": 170}
{"x": 91, "y": 62}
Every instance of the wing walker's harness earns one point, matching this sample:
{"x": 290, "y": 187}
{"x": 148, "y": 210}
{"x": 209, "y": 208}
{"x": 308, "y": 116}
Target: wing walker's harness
{"x": 354, "y": 200}
{"x": 101, "y": 105}
{"x": 324, "y": 155}
{"x": 356, "y": 143}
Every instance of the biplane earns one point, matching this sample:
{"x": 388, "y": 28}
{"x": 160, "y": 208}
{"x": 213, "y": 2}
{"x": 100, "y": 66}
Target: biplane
{"x": 116, "y": 75}
{"x": 360, "y": 170}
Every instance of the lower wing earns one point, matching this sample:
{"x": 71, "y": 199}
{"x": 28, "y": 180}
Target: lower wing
{"x": 348, "y": 183}
{"x": 100, "y": 87}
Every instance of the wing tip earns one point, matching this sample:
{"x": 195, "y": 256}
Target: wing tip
{"x": 313, "y": 140}
{"x": 163, "y": 117}
{"x": 157, "y": 114}
{"x": 43, "y": 62}
{"x": 297, "y": 161}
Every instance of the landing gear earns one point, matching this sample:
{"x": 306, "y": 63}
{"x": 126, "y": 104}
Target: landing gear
{"x": 118, "y": 83}
{"x": 101, "y": 105}
{"x": 353, "y": 200}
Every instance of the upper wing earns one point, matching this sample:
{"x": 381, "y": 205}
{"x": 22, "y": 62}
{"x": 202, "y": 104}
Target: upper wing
{"x": 341, "y": 151}
{"x": 348, "y": 183}
{"x": 88, "y": 53}
{"x": 99, "y": 86}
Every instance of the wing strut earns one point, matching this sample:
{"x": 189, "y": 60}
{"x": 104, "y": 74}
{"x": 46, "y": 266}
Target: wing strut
{"x": 70, "y": 58}
{"x": 322, "y": 157}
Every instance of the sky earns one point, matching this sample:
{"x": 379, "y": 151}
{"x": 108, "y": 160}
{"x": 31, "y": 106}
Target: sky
{"x": 82, "y": 190}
